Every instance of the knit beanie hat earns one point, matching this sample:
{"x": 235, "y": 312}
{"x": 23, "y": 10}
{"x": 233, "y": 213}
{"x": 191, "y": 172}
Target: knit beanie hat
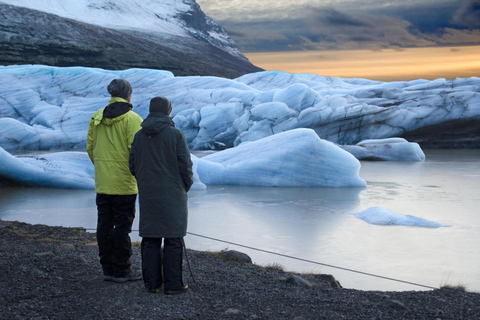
{"x": 120, "y": 88}
{"x": 161, "y": 104}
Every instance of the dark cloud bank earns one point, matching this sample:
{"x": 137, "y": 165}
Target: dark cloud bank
{"x": 426, "y": 24}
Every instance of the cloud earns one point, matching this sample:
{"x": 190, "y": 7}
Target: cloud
{"x": 333, "y": 30}
{"x": 458, "y": 37}
{"x": 333, "y": 17}
{"x": 468, "y": 14}
{"x": 349, "y": 24}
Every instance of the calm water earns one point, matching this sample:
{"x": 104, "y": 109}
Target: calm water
{"x": 314, "y": 224}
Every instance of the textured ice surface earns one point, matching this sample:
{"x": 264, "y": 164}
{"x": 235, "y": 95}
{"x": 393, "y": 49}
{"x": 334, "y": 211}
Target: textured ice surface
{"x": 69, "y": 170}
{"x": 48, "y": 108}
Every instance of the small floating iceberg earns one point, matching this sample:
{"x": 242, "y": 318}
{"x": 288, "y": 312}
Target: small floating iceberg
{"x": 385, "y": 217}
{"x": 392, "y": 149}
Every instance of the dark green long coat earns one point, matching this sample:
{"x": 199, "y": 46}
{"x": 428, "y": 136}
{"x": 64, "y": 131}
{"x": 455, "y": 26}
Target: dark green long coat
{"x": 160, "y": 161}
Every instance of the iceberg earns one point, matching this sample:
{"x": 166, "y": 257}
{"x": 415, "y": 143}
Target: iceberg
{"x": 63, "y": 170}
{"x": 48, "y": 108}
{"x": 66, "y": 170}
{"x": 392, "y": 149}
{"x": 382, "y": 216}
{"x": 295, "y": 158}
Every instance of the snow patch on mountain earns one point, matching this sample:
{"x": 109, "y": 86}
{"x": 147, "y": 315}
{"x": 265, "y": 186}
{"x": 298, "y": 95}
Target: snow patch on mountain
{"x": 157, "y": 17}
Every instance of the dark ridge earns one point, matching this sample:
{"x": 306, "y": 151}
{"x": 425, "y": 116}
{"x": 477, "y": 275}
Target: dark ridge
{"x": 33, "y": 37}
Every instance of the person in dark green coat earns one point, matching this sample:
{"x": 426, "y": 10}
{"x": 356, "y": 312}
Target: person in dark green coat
{"x": 160, "y": 161}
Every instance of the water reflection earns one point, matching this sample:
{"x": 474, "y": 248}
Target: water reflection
{"x": 233, "y": 212}
{"x": 278, "y": 219}
{"x": 57, "y": 207}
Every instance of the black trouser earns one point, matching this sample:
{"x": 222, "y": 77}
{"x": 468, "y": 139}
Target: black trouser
{"x": 115, "y": 218}
{"x": 153, "y": 262}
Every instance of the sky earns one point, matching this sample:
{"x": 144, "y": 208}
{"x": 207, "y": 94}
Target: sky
{"x": 379, "y": 39}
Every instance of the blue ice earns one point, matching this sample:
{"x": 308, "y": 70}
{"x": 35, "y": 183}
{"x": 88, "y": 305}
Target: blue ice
{"x": 384, "y": 217}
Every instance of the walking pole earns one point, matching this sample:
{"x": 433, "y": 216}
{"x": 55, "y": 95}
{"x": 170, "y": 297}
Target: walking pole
{"x": 188, "y": 262}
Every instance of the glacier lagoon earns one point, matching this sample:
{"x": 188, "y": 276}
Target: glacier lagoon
{"x": 48, "y": 108}
{"x": 317, "y": 224}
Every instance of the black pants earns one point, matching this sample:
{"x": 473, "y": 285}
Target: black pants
{"x": 170, "y": 262}
{"x": 115, "y": 218}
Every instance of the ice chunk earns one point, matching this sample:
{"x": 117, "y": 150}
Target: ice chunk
{"x": 382, "y": 216}
{"x": 296, "y": 158}
{"x": 69, "y": 170}
{"x": 392, "y": 149}
{"x": 197, "y": 183}
{"x": 66, "y": 170}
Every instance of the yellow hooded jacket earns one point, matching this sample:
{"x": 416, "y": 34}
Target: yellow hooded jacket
{"x": 109, "y": 142}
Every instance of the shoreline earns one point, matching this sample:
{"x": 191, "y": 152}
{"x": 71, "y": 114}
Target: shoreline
{"x": 54, "y": 273}
{"x": 136, "y": 241}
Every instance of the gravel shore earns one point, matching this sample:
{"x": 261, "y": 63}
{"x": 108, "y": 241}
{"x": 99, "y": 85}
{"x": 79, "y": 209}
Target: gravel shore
{"x": 54, "y": 273}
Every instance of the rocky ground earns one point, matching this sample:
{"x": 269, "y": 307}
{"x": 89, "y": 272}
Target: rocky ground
{"x": 54, "y": 273}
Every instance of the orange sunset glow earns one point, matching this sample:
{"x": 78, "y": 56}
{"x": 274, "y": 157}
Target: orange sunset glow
{"x": 385, "y": 65}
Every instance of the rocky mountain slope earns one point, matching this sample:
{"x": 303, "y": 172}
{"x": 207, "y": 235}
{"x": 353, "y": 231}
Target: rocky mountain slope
{"x": 185, "y": 42}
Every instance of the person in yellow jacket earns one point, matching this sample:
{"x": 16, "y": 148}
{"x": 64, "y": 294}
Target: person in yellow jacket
{"x": 110, "y": 136}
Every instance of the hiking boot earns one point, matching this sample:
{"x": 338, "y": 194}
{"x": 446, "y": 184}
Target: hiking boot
{"x": 134, "y": 275}
{"x": 157, "y": 290}
{"x": 182, "y": 290}
{"x": 107, "y": 277}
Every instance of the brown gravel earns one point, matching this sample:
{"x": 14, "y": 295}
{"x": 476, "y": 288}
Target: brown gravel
{"x": 54, "y": 273}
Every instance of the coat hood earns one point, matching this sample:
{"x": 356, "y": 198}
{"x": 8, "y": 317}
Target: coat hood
{"x": 99, "y": 117}
{"x": 156, "y": 122}
{"x": 116, "y": 109}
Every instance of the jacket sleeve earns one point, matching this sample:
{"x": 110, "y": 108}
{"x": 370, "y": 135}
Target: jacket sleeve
{"x": 133, "y": 127}
{"x": 90, "y": 141}
{"x": 184, "y": 161}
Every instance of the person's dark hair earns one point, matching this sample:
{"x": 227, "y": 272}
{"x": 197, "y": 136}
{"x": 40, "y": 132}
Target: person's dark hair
{"x": 161, "y": 104}
{"x": 120, "y": 88}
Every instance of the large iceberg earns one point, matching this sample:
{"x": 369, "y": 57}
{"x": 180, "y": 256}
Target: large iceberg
{"x": 383, "y": 216}
{"x": 297, "y": 158}
{"x": 48, "y": 108}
